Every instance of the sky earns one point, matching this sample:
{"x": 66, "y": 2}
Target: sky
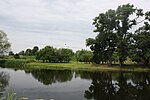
{"x": 58, "y": 23}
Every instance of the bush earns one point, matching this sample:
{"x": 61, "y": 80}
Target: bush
{"x": 2, "y": 63}
{"x": 16, "y": 56}
{"x": 13, "y": 63}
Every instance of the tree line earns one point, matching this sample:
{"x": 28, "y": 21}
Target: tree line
{"x": 51, "y": 54}
{"x": 116, "y": 36}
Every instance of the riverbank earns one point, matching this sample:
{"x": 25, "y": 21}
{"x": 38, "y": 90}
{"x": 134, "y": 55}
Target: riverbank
{"x": 85, "y": 67}
{"x": 34, "y": 64}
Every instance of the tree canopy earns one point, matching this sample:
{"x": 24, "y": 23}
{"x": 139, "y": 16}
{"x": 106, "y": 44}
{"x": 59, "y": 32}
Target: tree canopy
{"x": 115, "y": 34}
{"x": 84, "y": 56}
{"x": 50, "y": 54}
{"x": 4, "y": 44}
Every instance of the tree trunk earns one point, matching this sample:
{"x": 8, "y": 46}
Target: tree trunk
{"x": 109, "y": 60}
{"x": 120, "y": 63}
{"x": 146, "y": 62}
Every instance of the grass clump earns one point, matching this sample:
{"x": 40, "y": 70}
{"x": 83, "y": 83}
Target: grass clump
{"x": 11, "y": 95}
{"x": 13, "y": 63}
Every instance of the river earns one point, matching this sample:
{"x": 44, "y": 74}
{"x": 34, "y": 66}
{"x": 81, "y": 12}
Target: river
{"x": 75, "y": 85}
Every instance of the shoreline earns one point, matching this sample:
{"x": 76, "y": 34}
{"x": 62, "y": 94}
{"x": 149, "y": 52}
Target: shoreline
{"x": 33, "y": 65}
{"x": 85, "y": 67}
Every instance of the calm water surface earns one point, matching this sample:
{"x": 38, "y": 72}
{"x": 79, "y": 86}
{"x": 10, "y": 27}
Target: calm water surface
{"x": 76, "y": 85}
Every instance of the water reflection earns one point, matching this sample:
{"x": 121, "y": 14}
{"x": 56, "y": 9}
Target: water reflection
{"x": 78, "y": 85}
{"x": 48, "y": 77}
{"x": 119, "y": 86}
{"x": 4, "y": 81}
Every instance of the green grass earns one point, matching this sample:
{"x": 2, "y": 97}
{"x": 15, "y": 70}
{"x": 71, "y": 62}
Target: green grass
{"x": 83, "y": 66}
{"x": 29, "y": 62}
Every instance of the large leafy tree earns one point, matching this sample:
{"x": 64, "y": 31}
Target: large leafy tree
{"x": 105, "y": 42}
{"x": 124, "y": 24}
{"x": 4, "y": 44}
{"x": 113, "y": 28}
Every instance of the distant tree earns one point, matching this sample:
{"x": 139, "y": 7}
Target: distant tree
{"x": 64, "y": 55}
{"x": 4, "y": 44}
{"x": 35, "y": 50}
{"x": 16, "y": 56}
{"x": 28, "y": 52}
{"x": 11, "y": 53}
{"x": 84, "y": 56}
{"x": 50, "y": 54}
{"x": 21, "y": 53}
{"x": 47, "y": 54}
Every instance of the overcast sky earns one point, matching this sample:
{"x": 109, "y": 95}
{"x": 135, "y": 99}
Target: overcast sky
{"x": 54, "y": 22}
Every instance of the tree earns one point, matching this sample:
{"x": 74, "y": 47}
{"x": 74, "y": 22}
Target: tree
{"x": 35, "y": 50}
{"x": 28, "y": 52}
{"x": 64, "y": 55}
{"x": 113, "y": 33}
{"x": 48, "y": 53}
{"x": 4, "y": 44}
{"x": 11, "y": 53}
{"x": 141, "y": 44}
{"x": 16, "y": 56}
{"x": 124, "y": 24}
{"x": 105, "y": 41}
{"x": 84, "y": 56}
{"x": 21, "y": 53}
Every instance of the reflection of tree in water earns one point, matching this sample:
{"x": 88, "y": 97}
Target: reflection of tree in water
{"x": 101, "y": 87}
{"x": 4, "y": 81}
{"x": 105, "y": 86}
{"x": 142, "y": 82}
{"x": 48, "y": 77}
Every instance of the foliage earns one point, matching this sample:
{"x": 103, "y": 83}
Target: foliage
{"x": 11, "y": 95}
{"x": 16, "y": 56}
{"x": 84, "y": 56}
{"x": 11, "y": 53}
{"x": 114, "y": 36}
{"x": 50, "y": 54}
{"x": 21, "y": 53}
{"x": 13, "y": 63}
{"x": 141, "y": 45}
{"x": 28, "y": 52}
{"x": 64, "y": 55}
{"x": 35, "y": 50}
{"x": 4, "y": 44}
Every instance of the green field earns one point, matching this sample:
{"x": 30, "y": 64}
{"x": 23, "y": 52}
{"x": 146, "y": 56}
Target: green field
{"x": 29, "y": 62}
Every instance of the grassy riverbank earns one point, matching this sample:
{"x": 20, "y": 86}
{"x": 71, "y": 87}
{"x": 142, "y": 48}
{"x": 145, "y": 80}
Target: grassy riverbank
{"x": 30, "y": 63}
{"x": 83, "y": 66}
